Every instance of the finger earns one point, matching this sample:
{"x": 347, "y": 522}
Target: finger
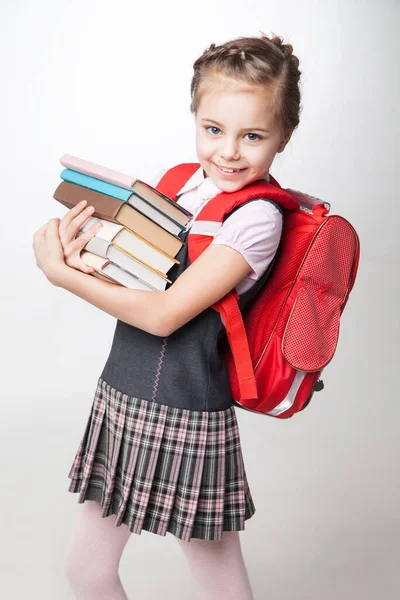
{"x": 87, "y": 270}
{"x": 84, "y": 267}
{"x": 77, "y": 263}
{"x": 81, "y": 240}
{"x": 85, "y": 237}
{"x": 71, "y": 214}
{"x": 76, "y": 223}
{"x": 81, "y": 266}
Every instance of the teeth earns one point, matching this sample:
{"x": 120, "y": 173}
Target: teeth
{"x": 229, "y": 170}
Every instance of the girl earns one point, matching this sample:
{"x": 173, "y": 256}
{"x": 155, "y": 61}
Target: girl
{"x": 161, "y": 449}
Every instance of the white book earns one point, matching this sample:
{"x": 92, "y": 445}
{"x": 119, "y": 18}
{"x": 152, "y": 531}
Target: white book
{"x": 104, "y": 266}
{"x": 128, "y": 241}
{"x": 136, "y": 267}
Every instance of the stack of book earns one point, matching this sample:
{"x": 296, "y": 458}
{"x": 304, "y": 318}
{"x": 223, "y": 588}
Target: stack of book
{"x": 139, "y": 240}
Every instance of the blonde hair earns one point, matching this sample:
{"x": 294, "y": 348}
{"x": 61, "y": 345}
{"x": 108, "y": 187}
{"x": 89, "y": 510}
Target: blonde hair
{"x": 256, "y": 61}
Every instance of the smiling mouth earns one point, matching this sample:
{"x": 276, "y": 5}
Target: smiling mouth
{"x": 229, "y": 169}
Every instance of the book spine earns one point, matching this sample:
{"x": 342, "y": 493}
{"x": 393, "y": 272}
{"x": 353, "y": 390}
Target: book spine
{"x": 94, "y": 184}
{"x": 89, "y": 168}
{"x": 185, "y": 211}
{"x": 69, "y": 194}
{"x": 158, "y": 209}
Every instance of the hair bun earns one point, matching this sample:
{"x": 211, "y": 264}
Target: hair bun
{"x": 286, "y": 49}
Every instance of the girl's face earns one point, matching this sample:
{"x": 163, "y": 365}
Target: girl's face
{"x": 235, "y": 129}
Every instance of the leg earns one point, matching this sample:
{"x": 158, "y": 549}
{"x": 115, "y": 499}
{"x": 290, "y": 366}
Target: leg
{"x": 93, "y": 554}
{"x": 218, "y": 568}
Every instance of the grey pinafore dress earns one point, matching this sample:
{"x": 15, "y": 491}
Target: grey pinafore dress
{"x": 161, "y": 449}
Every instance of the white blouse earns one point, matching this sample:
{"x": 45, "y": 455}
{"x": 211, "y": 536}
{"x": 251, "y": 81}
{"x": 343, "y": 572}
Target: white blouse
{"x": 254, "y": 229}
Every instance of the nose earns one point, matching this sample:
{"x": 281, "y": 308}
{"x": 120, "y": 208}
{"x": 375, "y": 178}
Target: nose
{"x": 230, "y": 149}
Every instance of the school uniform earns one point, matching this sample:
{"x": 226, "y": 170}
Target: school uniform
{"x": 161, "y": 449}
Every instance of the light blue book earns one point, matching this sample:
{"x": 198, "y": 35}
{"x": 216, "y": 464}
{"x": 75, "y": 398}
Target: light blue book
{"x": 97, "y": 185}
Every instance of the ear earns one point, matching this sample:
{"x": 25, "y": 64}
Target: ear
{"x": 286, "y": 137}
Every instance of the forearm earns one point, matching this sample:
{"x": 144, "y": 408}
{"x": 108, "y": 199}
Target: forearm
{"x": 140, "y": 308}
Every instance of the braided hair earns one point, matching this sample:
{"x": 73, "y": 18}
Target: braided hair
{"x": 256, "y": 61}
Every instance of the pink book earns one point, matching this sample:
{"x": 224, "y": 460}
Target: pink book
{"x": 89, "y": 168}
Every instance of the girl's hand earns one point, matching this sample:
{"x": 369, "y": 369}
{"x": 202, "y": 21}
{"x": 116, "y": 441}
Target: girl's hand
{"x": 70, "y": 224}
{"x": 48, "y": 250}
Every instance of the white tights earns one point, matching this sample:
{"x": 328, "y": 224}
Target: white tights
{"x": 94, "y": 551}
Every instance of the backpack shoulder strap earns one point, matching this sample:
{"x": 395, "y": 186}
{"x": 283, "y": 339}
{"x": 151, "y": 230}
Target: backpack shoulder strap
{"x": 175, "y": 178}
{"x": 213, "y": 214}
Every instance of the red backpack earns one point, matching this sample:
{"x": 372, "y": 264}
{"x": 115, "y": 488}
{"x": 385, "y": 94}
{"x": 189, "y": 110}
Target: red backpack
{"x": 276, "y": 353}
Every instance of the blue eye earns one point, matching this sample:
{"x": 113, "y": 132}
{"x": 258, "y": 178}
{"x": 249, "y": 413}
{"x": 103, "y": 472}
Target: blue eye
{"x": 217, "y": 128}
{"x": 211, "y": 127}
{"x": 256, "y": 134}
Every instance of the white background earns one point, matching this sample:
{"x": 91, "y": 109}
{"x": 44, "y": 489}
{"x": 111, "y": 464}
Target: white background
{"x": 109, "y": 82}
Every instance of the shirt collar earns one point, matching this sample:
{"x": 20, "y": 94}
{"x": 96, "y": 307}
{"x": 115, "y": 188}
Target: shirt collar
{"x": 198, "y": 179}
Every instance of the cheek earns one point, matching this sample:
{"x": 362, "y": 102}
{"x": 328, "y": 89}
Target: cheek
{"x": 199, "y": 148}
{"x": 203, "y": 148}
{"x": 259, "y": 161}
{"x": 265, "y": 157}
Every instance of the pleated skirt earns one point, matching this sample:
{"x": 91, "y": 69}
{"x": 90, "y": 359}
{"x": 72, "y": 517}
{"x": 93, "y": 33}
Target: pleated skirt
{"x": 162, "y": 469}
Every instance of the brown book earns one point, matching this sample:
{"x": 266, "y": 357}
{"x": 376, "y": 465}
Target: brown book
{"x": 118, "y": 211}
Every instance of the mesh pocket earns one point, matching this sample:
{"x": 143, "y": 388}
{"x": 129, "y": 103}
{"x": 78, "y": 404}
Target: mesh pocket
{"x": 312, "y": 330}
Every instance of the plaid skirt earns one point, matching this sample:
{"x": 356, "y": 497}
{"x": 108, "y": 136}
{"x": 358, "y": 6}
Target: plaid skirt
{"x": 162, "y": 469}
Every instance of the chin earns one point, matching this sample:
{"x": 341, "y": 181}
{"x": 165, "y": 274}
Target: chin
{"x": 230, "y": 186}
